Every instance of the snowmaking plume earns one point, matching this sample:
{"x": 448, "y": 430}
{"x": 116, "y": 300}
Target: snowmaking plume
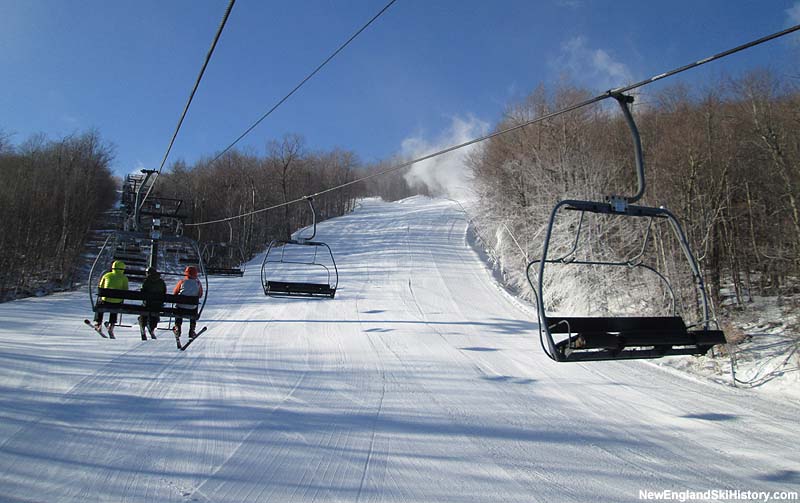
{"x": 445, "y": 175}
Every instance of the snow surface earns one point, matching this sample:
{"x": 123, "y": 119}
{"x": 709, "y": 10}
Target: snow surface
{"x": 422, "y": 380}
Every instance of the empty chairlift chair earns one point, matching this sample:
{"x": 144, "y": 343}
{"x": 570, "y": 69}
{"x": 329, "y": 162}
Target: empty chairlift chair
{"x": 224, "y": 258}
{"x": 584, "y": 338}
{"x": 300, "y": 267}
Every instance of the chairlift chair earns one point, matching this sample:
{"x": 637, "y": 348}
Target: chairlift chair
{"x": 583, "y": 338}
{"x": 169, "y": 266}
{"x": 169, "y": 253}
{"x": 224, "y": 258}
{"x": 300, "y": 267}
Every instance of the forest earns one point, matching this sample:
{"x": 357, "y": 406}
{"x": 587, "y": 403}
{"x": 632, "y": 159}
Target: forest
{"x": 243, "y": 184}
{"x": 51, "y": 194}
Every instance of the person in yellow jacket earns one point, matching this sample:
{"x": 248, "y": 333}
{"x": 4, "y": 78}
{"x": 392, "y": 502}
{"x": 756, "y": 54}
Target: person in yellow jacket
{"x": 117, "y": 280}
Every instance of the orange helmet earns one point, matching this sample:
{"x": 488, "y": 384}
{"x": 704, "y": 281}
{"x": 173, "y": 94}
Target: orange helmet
{"x": 190, "y": 271}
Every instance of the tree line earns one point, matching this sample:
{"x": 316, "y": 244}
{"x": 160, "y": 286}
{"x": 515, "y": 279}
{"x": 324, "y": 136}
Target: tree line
{"x": 726, "y": 160}
{"x": 243, "y": 183}
{"x": 55, "y": 192}
{"x": 51, "y": 194}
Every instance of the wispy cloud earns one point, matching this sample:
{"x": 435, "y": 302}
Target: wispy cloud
{"x": 793, "y": 19}
{"x": 446, "y": 174}
{"x": 71, "y": 120}
{"x": 569, "y": 4}
{"x": 592, "y": 65}
{"x": 794, "y": 14}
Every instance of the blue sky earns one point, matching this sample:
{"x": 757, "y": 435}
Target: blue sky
{"x": 126, "y": 68}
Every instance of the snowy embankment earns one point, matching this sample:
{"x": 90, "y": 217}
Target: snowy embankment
{"x": 765, "y": 359}
{"x": 421, "y": 381}
{"x": 764, "y": 356}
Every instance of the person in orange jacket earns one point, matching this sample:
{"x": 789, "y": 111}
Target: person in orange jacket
{"x": 189, "y": 285}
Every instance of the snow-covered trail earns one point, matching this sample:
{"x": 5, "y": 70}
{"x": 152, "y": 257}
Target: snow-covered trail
{"x": 421, "y": 381}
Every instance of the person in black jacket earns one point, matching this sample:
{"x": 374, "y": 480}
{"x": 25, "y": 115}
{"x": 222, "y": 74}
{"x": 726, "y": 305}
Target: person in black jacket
{"x": 154, "y": 288}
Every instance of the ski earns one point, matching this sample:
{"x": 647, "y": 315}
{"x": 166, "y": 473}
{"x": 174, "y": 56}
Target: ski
{"x": 110, "y": 329}
{"x": 192, "y": 339}
{"x": 98, "y": 330}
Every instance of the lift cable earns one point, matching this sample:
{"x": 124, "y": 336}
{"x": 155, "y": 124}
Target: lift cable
{"x": 191, "y": 96}
{"x": 302, "y": 82}
{"x": 605, "y": 95}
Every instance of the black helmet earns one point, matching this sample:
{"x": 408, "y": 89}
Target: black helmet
{"x": 151, "y": 271}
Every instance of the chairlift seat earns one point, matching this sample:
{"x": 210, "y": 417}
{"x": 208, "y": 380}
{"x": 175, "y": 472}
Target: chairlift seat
{"x": 290, "y": 289}
{"x": 138, "y": 309}
{"x": 131, "y": 259}
{"x": 224, "y": 271}
{"x": 613, "y": 338}
{"x": 135, "y": 273}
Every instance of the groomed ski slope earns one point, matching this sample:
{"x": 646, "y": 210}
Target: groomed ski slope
{"x": 421, "y": 381}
